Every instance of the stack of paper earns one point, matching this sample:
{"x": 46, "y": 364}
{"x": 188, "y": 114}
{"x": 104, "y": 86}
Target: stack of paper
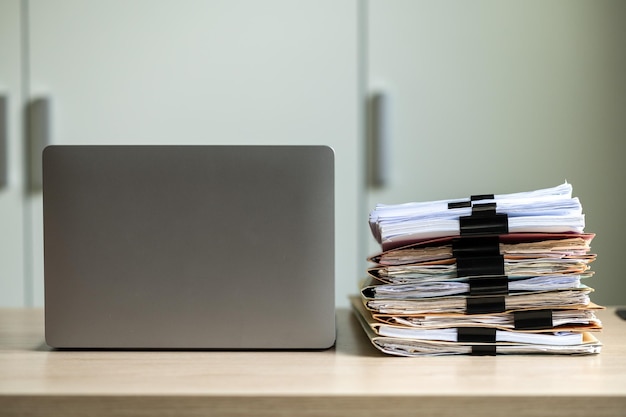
{"x": 485, "y": 275}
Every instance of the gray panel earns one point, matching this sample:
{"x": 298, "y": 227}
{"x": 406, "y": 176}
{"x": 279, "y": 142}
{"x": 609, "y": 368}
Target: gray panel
{"x": 4, "y": 134}
{"x": 38, "y": 138}
{"x": 189, "y": 246}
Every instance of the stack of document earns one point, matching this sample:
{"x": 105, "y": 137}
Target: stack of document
{"x": 490, "y": 274}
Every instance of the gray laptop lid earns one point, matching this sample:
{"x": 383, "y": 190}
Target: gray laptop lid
{"x": 228, "y": 247}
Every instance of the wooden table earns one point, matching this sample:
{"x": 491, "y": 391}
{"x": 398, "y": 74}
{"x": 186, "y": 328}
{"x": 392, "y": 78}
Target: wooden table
{"x": 351, "y": 379}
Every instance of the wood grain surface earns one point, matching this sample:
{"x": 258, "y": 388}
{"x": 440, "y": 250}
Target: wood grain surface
{"x": 351, "y": 379}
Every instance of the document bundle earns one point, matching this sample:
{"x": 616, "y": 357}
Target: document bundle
{"x": 486, "y": 275}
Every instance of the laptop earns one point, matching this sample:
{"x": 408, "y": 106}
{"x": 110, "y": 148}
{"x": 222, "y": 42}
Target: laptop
{"x": 189, "y": 247}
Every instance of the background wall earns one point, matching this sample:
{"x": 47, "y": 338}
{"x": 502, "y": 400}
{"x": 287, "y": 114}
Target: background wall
{"x": 487, "y": 96}
{"x": 192, "y": 72}
{"x": 12, "y": 211}
{"x": 505, "y": 96}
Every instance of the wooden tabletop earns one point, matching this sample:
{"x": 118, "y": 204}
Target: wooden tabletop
{"x": 351, "y": 379}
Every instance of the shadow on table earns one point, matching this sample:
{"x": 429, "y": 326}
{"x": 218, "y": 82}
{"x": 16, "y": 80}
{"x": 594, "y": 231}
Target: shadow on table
{"x": 351, "y": 338}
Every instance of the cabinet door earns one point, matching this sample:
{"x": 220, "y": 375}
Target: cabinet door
{"x": 203, "y": 72}
{"x": 11, "y": 186}
{"x": 497, "y": 97}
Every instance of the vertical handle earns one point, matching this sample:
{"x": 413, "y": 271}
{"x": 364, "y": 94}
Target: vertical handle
{"x": 380, "y": 139}
{"x": 4, "y": 134}
{"x": 39, "y": 137}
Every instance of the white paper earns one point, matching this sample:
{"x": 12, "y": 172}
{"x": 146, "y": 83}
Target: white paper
{"x": 458, "y": 304}
{"x": 451, "y": 335}
{"x": 447, "y": 288}
{"x": 551, "y": 210}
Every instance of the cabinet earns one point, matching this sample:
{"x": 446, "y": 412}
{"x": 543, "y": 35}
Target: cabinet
{"x": 202, "y": 72}
{"x": 496, "y": 97}
{"x": 12, "y": 211}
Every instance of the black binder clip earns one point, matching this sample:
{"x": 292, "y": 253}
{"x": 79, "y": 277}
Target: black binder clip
{"x": 489, "y": 285}
{"x": 479, "y": 197}
{"x": 533, "y": 320}
{"x": 484, "y": 221}
{"x": 483, "y": 350}
{"x": 479, "y": 259}
{"x": 485, "y": 304}
{"x": 478, "y": 255}
{"x": 459, "y": 204}
{"x": 479, "y": 265}
{"x": 464, "y": 204}
{"x": 476, "y": 334}
{"x": 476, "y": 246}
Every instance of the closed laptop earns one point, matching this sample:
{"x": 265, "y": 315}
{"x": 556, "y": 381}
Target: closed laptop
{"x": 189, "y": 247}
